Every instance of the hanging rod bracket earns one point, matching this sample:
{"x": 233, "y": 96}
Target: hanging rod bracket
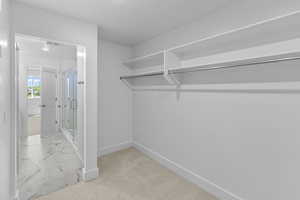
{"x": 171, "y": 78}
{"x": 126, "y": 82}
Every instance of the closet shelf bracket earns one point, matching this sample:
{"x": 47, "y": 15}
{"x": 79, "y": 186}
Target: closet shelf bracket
{"x": 171, "y": 78}
{"x": 126, "y": 82}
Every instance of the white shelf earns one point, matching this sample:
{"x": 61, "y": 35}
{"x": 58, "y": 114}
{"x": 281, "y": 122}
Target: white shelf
{"x": 152, "y": 60}
{"x": 281, "y": 28}
{"x": 237, "y": 63}
{"x": 273, "y": 40}
{"x": 223, "y": 65}
{"x": 268, "y": 31}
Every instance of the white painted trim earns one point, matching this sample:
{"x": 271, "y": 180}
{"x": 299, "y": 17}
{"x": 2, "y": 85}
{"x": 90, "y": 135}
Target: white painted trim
{"x": 91, "y": 174}
{"x": 114, "y": 148}
{"x": 202, "y": 182}
{"x": 86, "y": 174}
{"x": 14, "y": 118}
{"x": 16, "y": 197}
{"x": 69, "y": 139}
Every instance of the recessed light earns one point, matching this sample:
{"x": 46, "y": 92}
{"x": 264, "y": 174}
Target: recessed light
{"x": 46, "y": 47}
{"x": 3, "y": 43}
{"x": 81, "y": 54}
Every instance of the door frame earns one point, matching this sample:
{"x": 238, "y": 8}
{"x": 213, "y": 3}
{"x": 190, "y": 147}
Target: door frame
{"x": 15, "y": 115}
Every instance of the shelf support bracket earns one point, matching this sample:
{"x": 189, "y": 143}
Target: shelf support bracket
{"x": 171, "y": 78}
{"x": 170, "y": 59}
{"x": 126, "y": 82}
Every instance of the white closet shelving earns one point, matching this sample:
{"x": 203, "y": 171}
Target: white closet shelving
{"x": 238, "y": 63}
{"x": 270, "y": 40}
{"x": 155, "y": 59}
{"x": 279, "y": 28}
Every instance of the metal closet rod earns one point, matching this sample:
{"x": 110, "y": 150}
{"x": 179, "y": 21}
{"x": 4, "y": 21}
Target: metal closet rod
{"x": 142, "y": 75}
{"x": 211, "y": 67}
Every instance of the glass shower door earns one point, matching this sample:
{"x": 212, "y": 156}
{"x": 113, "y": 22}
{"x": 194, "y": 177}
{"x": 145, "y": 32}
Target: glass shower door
{"x": 69, "y": 100}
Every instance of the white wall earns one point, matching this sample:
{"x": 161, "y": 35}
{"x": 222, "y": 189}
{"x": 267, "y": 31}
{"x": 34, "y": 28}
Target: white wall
{"x": 115, "y": 111}
{"x": 231, "y": 136}
{"x": 245, "y": 142}
{"x": 5, "y": 135}
{"x": 43, "y": 24}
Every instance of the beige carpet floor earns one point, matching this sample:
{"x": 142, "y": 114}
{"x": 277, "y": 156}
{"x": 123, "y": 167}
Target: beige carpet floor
{"x": 130, "y": 175}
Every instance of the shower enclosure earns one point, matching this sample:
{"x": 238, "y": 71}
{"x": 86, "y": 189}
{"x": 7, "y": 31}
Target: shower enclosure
{"x": 69, "y": 104}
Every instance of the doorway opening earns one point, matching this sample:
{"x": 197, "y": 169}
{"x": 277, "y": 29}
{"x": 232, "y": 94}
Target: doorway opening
{"x": 34, "y": 101}
{"x": 50, "y": 115}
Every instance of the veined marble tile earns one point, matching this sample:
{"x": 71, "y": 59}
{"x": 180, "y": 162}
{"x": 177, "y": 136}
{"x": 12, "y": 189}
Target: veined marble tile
{"x": 46, "y": 165}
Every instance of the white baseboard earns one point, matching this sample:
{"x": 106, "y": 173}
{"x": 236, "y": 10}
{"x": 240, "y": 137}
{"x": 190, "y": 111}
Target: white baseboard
{"x": 203, "y": 183}
{"x": 91, "y": 174}
{"x": 16, "y": 197}
{"x": 114, "y": 148}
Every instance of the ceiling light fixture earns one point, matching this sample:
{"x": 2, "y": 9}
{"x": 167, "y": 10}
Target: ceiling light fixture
{"x": 46, "y": 47}
{"x": 3, "y": 43}
{"x": 81, "y": 54}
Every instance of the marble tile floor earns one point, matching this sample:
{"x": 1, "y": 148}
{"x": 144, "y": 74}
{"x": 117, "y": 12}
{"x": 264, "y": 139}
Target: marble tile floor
{"x": 46, "y": 165}
{"x": 130, "y": 175}
{"x": 34, "y": 125}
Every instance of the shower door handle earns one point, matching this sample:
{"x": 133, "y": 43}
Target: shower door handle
{"x": 43, "y": 106}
